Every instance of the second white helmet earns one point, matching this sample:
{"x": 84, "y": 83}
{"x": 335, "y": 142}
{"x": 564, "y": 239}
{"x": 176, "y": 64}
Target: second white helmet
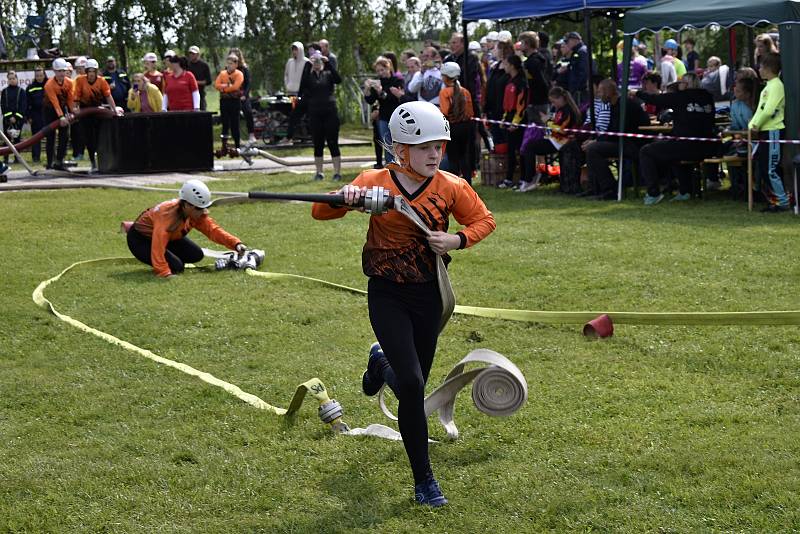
{"x": 195, "y": 193}
{"x": 60, "y": 64}
{"x": 81, "y": 61}
{"x": 92, "y": 64}
{"x": 414, "y": 123}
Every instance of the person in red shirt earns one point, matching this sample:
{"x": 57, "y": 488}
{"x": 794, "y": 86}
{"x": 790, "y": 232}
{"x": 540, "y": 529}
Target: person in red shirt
{"x": 158, "y": 236}
{"x": 91, "y": 91}
{"x": 406, "y": 308}
{"x": 181, "y": 92}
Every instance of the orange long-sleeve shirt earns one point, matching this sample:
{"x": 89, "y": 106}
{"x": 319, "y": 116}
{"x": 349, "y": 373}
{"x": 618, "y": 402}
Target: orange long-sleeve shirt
{"x": 228, "y": 82}
{"x": 58, "y": 95}
{"x": 91, "y": 94}
{"x": 396, "y": 249}
{"x": 164, "y": 223}
{"x": 446, "y": 104}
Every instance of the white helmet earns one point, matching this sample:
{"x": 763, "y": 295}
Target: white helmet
{"x": 492, "y": 36}
{"x": 451, "y": 69}
{"x": 92, "y": 64}
{"x": 483, "y": 40}
{"x": 81, "y": 61}
{"x": 414, "y": 123}
{"x": 195, "y": 193}
{"x": 150, "y": 56}
{"x": 505, "y": 36}
{"x": 60, "y": 64}
{"x": 474, "y": 46}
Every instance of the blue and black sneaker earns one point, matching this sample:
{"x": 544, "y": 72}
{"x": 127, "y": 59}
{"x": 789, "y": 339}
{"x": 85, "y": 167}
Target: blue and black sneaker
{"x": 372, "y": 381}
{"x": 429, "y": 493}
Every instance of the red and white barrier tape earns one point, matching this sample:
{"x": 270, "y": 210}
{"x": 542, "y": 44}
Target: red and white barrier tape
{"x": 659, "y": 137}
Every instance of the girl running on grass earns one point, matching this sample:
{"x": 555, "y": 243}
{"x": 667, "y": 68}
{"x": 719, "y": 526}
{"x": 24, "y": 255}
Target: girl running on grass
{"x": 405, "y": 304}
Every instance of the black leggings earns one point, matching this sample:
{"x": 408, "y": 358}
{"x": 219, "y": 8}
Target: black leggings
{"x": 63, "y": 136}
{"x": 405, "y": 319}
{"x": 178, "y": 253}
{"x": 376, "y": 141}
{"x": 247, "y": 111}
{"x": 325, "y": 129}
{"x": 514, "y": 143}
{"x": 89, "y": 130}
{"x": 462, "y": 137}
{"x": 229, "y": 108}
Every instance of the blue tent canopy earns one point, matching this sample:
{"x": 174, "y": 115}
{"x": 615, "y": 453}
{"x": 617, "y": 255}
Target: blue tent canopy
{"x": 528, "y": 9}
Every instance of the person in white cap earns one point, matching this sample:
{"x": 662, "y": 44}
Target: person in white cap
{"x": 505, "y": 36}
{"x": 58, "y": 103}
{"x": 404, "y": 296}
{"x": 202, "y": 73}
{"x": 91, "y": 91}
{"x": 456, "y": 104}
{"x": 152, "y": 74}
{"x": 158, "y": 236}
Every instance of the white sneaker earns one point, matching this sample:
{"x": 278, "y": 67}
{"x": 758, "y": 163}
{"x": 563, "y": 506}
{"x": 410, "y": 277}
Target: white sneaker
{"x": 524, "y": 187}
{"x": 285, "y": 142}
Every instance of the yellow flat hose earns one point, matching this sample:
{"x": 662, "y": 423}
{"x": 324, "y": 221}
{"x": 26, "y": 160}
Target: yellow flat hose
{"x": 499, "y": 388}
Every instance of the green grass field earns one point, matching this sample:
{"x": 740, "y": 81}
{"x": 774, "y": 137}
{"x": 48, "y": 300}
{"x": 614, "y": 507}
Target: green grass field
{"x": 658, "y": 429}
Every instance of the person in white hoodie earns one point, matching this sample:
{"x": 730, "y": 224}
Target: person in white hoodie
{"x": 293, "y": 73}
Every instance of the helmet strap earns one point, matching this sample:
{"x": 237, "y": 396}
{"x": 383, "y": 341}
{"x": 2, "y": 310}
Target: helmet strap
{"x": 403, "y": 163}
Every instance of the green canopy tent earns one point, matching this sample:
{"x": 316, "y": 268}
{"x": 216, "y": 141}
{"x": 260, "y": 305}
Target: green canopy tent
{"x": 681, "y": 14}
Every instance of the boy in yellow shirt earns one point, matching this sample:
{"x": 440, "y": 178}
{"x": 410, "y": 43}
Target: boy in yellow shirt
{"x": 767, "y": 122}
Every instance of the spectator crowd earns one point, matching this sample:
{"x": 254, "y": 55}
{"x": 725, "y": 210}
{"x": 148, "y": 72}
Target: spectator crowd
{"x": 524, "y": 101}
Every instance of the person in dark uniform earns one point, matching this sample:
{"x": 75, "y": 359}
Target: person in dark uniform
{"x": 35, "y": 96}
{"x": 202, "y": 73}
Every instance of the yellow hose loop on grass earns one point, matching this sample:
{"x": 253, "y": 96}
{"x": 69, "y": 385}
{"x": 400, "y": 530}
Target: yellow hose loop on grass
{"x": 314, "y": 386}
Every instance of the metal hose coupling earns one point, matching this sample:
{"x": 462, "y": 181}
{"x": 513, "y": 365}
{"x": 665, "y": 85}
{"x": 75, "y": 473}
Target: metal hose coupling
{"x": 377, "y": 200}
{"x": 331, "y": 413}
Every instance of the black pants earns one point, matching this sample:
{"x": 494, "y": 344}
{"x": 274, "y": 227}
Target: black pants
{"x": 37, "y": 121}
{"x": 376, "y": 142}
{"x": 77, "y": 138}
{"x": 514, "y": 142}
{"x": 405, "y": 319}
{"x": 295, "y": 116}
{"x": 89, "y": 129}
{"x": 247, "y": 111}
{"x": 662, "y": 155}
{"x": 601, "y": 180}
{"x": 203, "y": 104}
{"x": 540, "y": 147}
{"x": 229, "y": 109}
{"x": 63, "y": 137}
{"x": 178, "y": 253}
{"x": 459, "y": 155}
{"x": 325, "y": 129}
